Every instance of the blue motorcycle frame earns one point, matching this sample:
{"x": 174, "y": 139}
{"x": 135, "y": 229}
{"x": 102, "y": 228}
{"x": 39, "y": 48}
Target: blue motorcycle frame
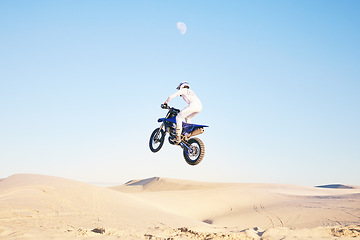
{"x": 193, "y": 148}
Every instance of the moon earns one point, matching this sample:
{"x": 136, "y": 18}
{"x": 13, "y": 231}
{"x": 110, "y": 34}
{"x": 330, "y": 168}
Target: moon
{"x": 182, "y": 27}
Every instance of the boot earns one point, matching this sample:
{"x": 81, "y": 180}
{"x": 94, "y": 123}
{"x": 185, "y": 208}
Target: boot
{"x": 178, "y": 136}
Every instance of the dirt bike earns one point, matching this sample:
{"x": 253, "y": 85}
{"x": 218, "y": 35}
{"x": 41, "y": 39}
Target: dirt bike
{"x": 193, "y": 148}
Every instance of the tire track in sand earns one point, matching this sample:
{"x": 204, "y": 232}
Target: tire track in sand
{"x": 269, "y": 215}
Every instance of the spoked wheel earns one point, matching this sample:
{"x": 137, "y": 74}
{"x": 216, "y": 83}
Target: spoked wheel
{"x": 197, "y": 152}
{"x": 157, "y": 140}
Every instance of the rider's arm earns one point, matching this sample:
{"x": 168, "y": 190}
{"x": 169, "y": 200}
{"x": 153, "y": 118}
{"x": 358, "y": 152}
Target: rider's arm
{"x": 175, "y": 94}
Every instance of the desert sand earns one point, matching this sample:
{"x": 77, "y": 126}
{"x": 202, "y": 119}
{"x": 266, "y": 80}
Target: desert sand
{"x": 45, "y": 207}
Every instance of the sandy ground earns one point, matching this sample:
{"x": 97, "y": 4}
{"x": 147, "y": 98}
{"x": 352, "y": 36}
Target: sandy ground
{"x": 44, "y": 207}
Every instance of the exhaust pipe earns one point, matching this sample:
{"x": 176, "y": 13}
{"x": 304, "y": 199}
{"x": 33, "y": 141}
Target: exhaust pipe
{"x": 196, "y": 132}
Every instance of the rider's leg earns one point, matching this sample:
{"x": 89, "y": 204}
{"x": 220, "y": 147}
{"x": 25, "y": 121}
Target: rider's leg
{"x": 191, "y": 111}
{"x": 187, "y": 113}
{"x": 179, "y": 119}
{"x": 188, "y": 118}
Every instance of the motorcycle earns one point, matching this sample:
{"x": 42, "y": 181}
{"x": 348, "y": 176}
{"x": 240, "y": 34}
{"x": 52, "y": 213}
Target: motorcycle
{"x": 193, "y": 148}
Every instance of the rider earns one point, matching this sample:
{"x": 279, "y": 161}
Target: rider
{"x": 193, "y": 108}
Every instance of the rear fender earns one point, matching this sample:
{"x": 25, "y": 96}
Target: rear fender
{"x": 188, "y": 128}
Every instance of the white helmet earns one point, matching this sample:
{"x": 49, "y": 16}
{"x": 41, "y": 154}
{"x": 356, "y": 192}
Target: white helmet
{"x": 182, "y": 85}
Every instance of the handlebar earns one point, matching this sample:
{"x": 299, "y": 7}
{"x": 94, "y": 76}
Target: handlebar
{"x": 165, "y": 106}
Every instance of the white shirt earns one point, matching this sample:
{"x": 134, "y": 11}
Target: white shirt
{"x": 188, "y": 95}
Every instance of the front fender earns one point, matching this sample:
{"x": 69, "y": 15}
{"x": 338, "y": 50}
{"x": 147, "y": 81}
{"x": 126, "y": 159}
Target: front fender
{"x": 161, "y": 119}
{"x": 172, "y": 120}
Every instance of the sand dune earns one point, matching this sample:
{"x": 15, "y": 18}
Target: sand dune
{"x": 44, "y": 207}
{"x": 248, "y": 205}
{"x": 54, "y": 205}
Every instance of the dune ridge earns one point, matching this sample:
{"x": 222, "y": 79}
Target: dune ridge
{"x": 337, "y": 186}
{"x": 45, "y": 207}
{"x": 155, "y": 184}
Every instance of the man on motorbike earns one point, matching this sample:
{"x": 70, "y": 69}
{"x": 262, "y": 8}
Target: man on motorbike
{"x": 193, "y": 108}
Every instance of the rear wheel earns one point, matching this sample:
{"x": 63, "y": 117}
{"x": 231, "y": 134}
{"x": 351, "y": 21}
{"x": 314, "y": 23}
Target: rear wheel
{"x": 197, "y": 152}
{"x": 157, "y": 140}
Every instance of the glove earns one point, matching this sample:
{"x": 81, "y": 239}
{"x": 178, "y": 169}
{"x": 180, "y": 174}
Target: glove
{"x": 164, "y": 105}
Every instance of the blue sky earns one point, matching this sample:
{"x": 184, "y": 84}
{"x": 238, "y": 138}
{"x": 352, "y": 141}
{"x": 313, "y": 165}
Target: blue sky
{"x": 82, "y": 82}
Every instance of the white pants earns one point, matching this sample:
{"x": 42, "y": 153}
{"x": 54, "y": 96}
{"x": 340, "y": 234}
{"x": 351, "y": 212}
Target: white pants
{"x": 187, "y": 113}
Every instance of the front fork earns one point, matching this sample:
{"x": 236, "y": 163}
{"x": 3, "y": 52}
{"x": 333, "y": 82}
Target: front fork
{"x": 157, "y": 134}
{"x": 162, "y": 125}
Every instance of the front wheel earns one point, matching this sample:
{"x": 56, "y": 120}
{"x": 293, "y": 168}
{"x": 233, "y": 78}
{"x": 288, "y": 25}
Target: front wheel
{"x": 197, "y": 152}
{"x": 157, "y": 140}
